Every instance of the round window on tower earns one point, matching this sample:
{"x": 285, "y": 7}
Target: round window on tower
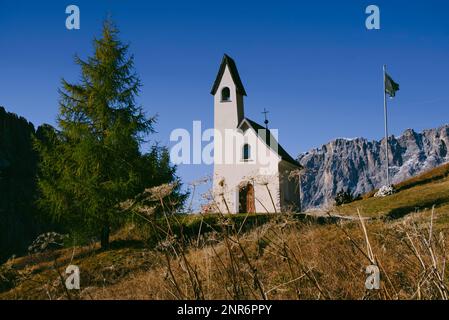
{"x": 225, "y": 94}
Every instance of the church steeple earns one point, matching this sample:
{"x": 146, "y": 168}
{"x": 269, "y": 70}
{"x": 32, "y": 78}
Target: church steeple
{"x": 230, "y": 63}
{"x": 228, "y": 92}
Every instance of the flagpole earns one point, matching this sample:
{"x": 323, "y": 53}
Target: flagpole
{"x": 386, "y": 126}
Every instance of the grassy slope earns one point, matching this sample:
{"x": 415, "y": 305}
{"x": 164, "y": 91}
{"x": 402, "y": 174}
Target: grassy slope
{"x": 292, "y": 259}
{"x": 416, "y": 194}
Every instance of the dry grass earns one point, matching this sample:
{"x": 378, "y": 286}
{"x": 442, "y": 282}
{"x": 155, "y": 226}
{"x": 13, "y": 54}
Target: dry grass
{"x": 282, "y": 259}
{"x": 39, "y": 276}
{"x": 291, "y": 260}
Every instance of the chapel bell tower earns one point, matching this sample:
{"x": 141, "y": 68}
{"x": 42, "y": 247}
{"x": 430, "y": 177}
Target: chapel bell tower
{"x": 228, "y": 92}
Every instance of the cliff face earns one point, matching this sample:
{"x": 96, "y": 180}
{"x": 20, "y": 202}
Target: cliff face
{"x": 359, "y": 164}
{"x": 18, "y": 222}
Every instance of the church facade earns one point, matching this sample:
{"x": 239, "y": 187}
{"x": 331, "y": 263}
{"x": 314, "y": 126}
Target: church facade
{"x": 252, "y": 172}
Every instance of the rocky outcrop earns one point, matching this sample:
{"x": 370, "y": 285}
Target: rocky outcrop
{"x": 47, "y": 242}
{"x": 358, "y": 164}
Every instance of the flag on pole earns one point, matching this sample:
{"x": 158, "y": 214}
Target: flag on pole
{"x": 390, "y": 86}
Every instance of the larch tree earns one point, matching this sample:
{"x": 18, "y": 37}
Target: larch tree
{"x": 93, "y": 161}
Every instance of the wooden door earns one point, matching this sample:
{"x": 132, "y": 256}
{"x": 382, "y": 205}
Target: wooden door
{"x": 243, "y": 192}
{"x": 250, "y": 199}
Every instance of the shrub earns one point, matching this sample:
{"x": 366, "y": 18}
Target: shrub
{"x": 344, "y": 197}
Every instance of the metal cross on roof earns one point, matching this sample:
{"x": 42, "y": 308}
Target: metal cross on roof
{"x": 265, "y": 112}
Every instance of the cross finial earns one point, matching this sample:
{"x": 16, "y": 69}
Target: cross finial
{"x": 265, "y": 112}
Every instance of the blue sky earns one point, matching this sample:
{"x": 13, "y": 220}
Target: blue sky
{"x": 313, "y": 65}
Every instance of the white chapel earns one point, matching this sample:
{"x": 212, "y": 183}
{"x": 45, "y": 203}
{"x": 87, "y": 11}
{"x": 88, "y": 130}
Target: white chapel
{"x": 252, "y": 172}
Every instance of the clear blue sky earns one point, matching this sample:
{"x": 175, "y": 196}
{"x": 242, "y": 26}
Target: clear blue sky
{"x": 313, "y": 65}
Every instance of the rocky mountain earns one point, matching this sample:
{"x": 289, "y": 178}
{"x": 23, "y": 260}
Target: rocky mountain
{"x": 19, "y": 224}
{"x": 358, "y": 164}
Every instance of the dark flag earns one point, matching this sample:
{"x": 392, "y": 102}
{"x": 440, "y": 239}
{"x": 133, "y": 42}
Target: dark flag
{"x": 390, "y": 86}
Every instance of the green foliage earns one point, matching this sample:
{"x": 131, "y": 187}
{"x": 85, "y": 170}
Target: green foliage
{"x": 345, "y": 197}
{"x": 94, "y": 162}
{"x": 20, "y": 223}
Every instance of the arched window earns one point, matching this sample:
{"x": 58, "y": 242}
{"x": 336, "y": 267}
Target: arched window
{"x": 246, "y": 152}
{"x": 225, "y": 94}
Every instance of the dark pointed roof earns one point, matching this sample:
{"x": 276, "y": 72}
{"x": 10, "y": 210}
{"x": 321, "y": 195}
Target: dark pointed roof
{"x": 228, "y": 61}
{"x": 269, "y": 137}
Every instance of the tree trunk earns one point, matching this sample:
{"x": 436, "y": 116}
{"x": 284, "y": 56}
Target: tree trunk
{"x": 105, "y": 237}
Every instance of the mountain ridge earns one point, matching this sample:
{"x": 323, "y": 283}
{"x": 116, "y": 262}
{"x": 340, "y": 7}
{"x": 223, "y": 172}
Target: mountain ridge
{"x": 357, "y": 164}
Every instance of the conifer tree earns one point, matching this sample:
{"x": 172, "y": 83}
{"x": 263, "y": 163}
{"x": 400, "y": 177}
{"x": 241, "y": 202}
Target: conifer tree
{"x": 93, "y": 161}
